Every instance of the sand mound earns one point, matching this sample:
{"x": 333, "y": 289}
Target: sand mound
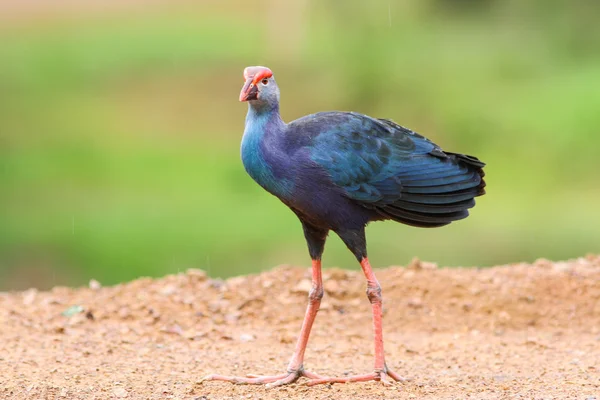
{"x": 517, "y": 331}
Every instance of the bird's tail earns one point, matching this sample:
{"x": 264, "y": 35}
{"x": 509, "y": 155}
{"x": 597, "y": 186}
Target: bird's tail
{"x": 440, "y": 195}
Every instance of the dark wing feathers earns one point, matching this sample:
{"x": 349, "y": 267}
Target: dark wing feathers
{"x": 395, "y": 171}
{"x": 435, "y": 208}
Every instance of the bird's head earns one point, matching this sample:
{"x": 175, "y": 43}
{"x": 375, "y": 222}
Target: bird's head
{"x": 259, "y": 86}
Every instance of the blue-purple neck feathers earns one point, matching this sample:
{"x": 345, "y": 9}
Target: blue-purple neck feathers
{"x": 264, "y": 135}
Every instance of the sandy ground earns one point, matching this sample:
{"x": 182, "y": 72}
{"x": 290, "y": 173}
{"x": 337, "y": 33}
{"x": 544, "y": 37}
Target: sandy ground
{"x": 510, "y": 332}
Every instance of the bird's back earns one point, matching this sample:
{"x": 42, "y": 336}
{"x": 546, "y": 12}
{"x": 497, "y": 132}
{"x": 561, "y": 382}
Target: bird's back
{"x": 387, "y": 169}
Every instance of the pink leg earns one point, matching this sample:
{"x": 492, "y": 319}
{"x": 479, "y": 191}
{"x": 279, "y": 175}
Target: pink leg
{"x": 295, "y": 368}
{"x": 374, "y": 295}
{"x": 380, "y": 372}
{"x": 314, "y": 301}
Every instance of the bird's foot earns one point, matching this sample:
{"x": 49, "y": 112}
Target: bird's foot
{"x": 382, "y": 376}
{"x": 267, "y": 380}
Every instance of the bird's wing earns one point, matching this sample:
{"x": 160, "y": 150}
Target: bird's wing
{"x": 397, "y": 172}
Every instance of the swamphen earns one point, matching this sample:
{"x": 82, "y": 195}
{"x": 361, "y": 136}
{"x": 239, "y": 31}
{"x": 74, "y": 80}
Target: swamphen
{"x": 338, "y": 171}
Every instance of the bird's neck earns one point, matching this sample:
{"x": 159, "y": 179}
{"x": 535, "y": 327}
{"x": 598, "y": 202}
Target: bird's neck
{"x": 263, "y": 124}
{"x": 262, "y": 117}
{"x": 261, "y": 147}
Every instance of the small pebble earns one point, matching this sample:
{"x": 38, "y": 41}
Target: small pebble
{"x": 120, "y": 392}
{"x": 246, "y": 337}
{"x": 94, "y": 284}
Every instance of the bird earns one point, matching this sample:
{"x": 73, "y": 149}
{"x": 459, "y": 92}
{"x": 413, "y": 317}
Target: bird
{"x": 338, "y": 171}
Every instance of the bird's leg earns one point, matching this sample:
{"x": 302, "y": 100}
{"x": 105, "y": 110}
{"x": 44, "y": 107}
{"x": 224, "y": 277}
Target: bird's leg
{"x": 355, "y": 241}
{"x": 314, "y": 301}
{"x": 295, "y": 368}
{"x": 376, "y": 299}
{"x": 316, "y": 242}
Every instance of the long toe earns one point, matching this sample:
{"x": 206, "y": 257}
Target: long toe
{"x": 381, "y": 376}
{"x": 396, "y": 377}
{"x": 248, "y": 380}
{"x": 290, "y": 378}
{"x": 268, "y": 380}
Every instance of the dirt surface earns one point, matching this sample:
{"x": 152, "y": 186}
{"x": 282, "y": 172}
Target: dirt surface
{"x": 520, "y": 331}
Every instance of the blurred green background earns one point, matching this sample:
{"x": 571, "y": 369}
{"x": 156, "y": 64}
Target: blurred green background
{"x": 120, "y": 128}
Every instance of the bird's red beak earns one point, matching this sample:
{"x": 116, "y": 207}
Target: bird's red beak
{"x": 249, "y": 91}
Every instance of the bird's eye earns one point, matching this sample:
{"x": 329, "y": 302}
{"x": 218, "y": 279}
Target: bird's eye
{"x": 265, "y": 81}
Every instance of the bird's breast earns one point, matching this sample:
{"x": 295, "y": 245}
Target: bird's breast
{"x": 262, "y": 164}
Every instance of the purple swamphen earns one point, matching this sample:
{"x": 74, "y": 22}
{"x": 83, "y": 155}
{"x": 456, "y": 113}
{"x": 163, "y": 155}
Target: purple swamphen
{"x": 338, "y": 171}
